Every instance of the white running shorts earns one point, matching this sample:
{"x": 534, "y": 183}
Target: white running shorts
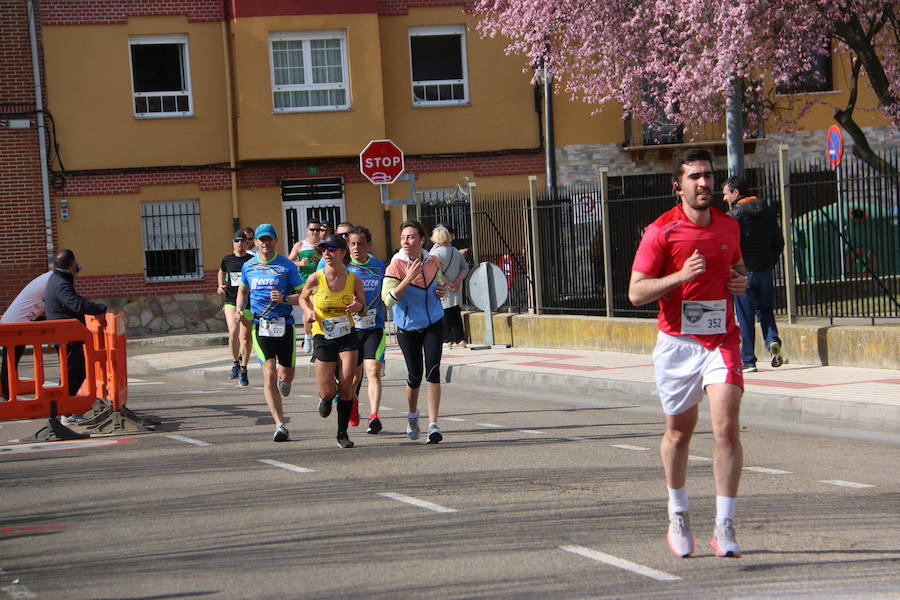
{"x": 684, "y": 367}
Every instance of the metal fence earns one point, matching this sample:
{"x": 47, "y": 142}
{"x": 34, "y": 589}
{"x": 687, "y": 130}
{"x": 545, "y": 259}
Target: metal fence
{"x": 845, "y": 239}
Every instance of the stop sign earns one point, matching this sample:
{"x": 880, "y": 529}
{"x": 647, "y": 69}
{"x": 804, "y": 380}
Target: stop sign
{"x": 381, "y": 161}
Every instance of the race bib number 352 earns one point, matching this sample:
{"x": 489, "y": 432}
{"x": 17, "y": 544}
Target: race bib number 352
{"x": 703, "y": 317}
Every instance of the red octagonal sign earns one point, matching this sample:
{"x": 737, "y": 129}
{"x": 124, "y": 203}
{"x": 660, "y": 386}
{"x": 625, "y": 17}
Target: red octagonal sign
{"x": 381, "y": 161}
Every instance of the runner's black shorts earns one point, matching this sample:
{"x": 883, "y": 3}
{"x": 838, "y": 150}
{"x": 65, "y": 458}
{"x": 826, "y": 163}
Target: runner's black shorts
{"x": 328, "y": 350}
{"x": 283, "y": 348}
{"x": 372, "y": 343}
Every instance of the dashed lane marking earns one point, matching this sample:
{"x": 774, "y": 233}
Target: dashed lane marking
{"x": 628, "y": 447}
{"x": 145, "y": 383}
{"x": 457, "y": 419}
{"x": 851, "y": 484}
{"x": 767, "y": 471}
{"x": 620, "y": 563}
{"x": 284, "y": 465}
{"x": 699, "y": 458}
{"x": 416, "y": 502}
{"x": 574, "y": 439}
{"x": 490, "y": 425}
{"x": 18, "y": 591}
{"x": 187, "y": 440}
{"x": 532, "y": 431}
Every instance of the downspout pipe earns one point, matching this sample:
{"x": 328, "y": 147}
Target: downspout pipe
{"x": 229, "y": 101}
{"x": 42, "y": 135}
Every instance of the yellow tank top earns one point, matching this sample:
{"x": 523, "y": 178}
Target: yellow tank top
{"x": 329, "y": 304}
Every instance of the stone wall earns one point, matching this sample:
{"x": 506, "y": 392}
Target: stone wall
{"x": 577, "y": 164}
{"x": 170, "y": 313}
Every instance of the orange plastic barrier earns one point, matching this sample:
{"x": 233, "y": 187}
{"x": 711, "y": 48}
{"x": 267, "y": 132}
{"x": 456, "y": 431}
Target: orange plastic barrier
{"x": 105, "y": 366}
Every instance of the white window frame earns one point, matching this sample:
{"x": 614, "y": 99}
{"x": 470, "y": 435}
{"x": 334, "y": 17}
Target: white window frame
{"x": 306, "y": 37}
{"x": 181, "y": 39}
{"x": 166, "y": 226}
{"x": 431, "y": 30}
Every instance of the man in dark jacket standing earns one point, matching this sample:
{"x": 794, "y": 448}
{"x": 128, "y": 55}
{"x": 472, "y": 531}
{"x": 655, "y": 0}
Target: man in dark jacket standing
{"x": 61, "y": 301}
{"x": 761, "y": 245}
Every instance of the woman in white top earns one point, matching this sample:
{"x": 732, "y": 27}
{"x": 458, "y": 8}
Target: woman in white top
{"x": 454, "y": 268}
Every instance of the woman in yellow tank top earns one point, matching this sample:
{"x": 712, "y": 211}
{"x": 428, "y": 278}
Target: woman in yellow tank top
{"x": 330, "y": 298}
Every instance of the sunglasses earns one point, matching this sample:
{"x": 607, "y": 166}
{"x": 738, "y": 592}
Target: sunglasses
{"x": 315, "y": 229}
{"x": 329, "y": 248}
{"x": 240, "y": 240}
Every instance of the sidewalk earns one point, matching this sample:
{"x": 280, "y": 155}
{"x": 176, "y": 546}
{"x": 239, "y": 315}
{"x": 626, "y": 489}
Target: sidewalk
{"x": 835, "y": 397}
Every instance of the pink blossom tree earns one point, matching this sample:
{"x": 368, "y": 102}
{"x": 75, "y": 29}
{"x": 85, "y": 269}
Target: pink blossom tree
{"x": 675, "y": 60}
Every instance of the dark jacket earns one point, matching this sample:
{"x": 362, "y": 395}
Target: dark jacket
{"x": 761, "y": 238}
{"x": 61, "y": 301}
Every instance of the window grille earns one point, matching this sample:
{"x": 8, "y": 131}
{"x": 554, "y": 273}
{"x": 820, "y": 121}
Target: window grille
{"x": 171, "y": 232}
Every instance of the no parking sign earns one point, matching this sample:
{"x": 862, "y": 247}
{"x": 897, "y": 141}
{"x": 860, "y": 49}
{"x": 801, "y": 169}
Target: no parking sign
{"x": 835, "y": 145}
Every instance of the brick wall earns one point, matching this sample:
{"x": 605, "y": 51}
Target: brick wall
{"x": 390, "y": 8}
{"x": 23, "y": 253}
{"x": 133, "y": 284}
{"x": 94, "y": 12}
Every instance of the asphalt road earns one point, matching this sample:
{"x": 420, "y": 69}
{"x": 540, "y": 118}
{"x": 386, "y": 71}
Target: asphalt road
{"x": 528, "y": 497}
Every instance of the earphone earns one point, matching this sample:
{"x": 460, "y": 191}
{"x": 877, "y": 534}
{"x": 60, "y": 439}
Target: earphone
{"x": 676, "y": 186}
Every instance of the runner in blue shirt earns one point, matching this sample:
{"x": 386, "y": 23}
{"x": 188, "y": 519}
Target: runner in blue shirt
{"x": 369, "y": 328}
{"x": 273, "y": 283}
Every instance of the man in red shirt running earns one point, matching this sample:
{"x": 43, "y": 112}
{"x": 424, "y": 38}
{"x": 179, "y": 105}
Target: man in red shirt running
{"x": 690, "y": 261}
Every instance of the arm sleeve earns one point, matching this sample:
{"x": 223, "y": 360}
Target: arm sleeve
{"x": 649, "y": 257}
{"x": 464, "y": 266}
{"x": 387, "y": 286}
{"x": 79, "y": 304}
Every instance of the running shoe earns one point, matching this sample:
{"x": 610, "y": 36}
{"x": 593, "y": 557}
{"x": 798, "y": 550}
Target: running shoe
{"x": 284, "y": 387}
{"x": 245, "y": 380}
{"x": 324, "y": 407}
{"x": 724, "y": 542}
{"x": 412, "y": 427}
{"x": 354, "y": 413}
{"x": 434, "y": 434}
{"x": 235, "y": 370}
{"x": 750, "y": 369}
{"x": 775, "y": 351}
{"x": 343, "y": 440}
{"x": 281, "y": 434}
{"x": 374, "y": 424}
{"x": 680, "y": 537}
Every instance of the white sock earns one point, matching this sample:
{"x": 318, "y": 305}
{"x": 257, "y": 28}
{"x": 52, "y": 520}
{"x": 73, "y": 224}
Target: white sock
{"x": 414, "y": 415}
{"x": 678, "y": 500}
{"x": 430, "y": 425}
{"x": 724, "y": 508}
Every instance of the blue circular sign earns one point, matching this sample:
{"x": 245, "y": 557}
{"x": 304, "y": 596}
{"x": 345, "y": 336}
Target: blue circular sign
{"x": 835, "y": 145}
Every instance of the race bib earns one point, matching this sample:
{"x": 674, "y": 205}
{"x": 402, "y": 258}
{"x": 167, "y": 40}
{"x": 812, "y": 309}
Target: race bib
{"x": 703, "y": 317}
{"x": 235, "y": 278}
{"x": 336, "y": 327}
{"x": 271, "y": 327}
{"x": 366, "y": 322}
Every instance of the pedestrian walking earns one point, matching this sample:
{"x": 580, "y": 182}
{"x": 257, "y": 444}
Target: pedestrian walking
{"x": 454, "y": 270}
{"x": 761, "y": 246}
{"x": 273, "y": 284}
{"x": 229, "y": 279}
{"x": 330, "y": 299}
{"x": 27, "y": 306}
{"x": 61, "y": 301}
{"x": 369, "y": 328}
{"x": 413, "y": 286}
{"x": 689, "y": 259}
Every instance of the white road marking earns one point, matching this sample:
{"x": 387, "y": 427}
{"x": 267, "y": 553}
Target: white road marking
{"x": 767, "y": 471}
{"x": 490, "y": 425}
{"x": 145, "y": 383}
{"x": 61, "y": 445}
{"x": 532, "y": 431}
{"x": 574, "y": 439}
{"x": 457, "y": 419}
{"x": 386, "y": 408}
{"x": 187, "y": 440}
{"x": 699, "y": 458}
{"x": 620, "y": 563}
{"x": 284, "y": 465}
{"x": 841, "y": 483}
{"x": 416, "y": 502}
{"x": 628, "y": 447}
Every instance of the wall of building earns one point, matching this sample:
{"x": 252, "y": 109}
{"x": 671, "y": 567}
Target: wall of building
{"x": 23, "y": 248}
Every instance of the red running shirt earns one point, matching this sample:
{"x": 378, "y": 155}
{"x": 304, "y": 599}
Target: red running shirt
{"x": 668, "y": 242}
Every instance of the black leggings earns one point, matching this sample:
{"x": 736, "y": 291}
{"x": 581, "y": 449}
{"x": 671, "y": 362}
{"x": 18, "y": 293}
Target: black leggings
{"x": 418, "y": 342}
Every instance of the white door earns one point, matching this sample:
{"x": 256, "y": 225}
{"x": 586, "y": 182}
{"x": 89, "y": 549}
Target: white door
{"x": 302, "y": 199}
